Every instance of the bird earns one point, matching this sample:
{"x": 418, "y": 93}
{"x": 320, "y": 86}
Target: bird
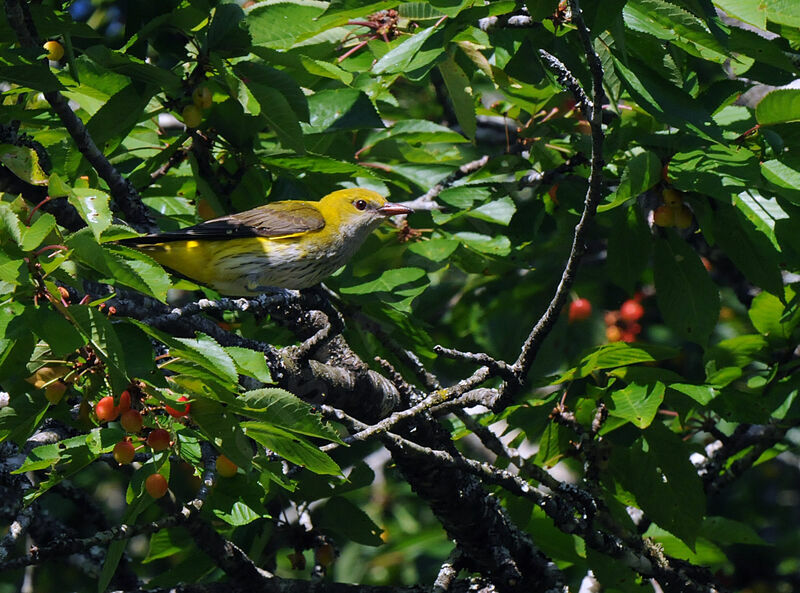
{"x": 291, "y": 244}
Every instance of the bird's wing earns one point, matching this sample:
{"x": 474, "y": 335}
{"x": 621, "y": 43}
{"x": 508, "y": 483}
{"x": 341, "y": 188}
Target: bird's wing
{"x": 279, "y": 219}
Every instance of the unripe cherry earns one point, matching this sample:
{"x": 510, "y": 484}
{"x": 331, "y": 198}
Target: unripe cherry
{"x": 158, "y": 440}
{"x": 124, "y": 452}
{"x": 156, "y": 485}
{"x": 131, "y": 421}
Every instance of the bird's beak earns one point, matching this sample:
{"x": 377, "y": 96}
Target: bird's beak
{"x": 390, "y": 209}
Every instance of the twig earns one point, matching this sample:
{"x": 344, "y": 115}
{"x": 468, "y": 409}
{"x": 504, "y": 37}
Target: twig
{"x": 497, "y": 367}
{"x": 593, "y": 195}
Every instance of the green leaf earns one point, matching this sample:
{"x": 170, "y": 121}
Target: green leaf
{"x": 341, "y": 516}
{"x": 291, "y": 447}
{"x": 769, "y": 315}
{"x": 388, "y": 281}
{"x": 92, "y": 205}
{"x": 726, "y": 532}
{"x": 280, "y": 24}
{"x": 104, "y": 341}
{"x": 435, "y": 250}
{"x": 666, "y": 102}
{"x": 715, "y": 171}
{"x": 749, "y": 249}
{"x": 753, "y": 13}
{"x": 686, "y": 296}
{"x": 641, "y": 172}
{"x": 208, "y": 354}
{"x": 283, "y": 409}
{"x": 275, "y": 107}
{"x": 58, "y": 332}
{"x": 499, "y": 245}
{"x": 37, "y": 232}
{"x": 227, "y": 33}
{"x": 672, "y": 23}
{"x": 614, "y": 355}
{"x": 23, "y": 162}
{"x": 496, "y": 211}
{"x": 340, "y": 109}
{"x": 784, "y": 12}
{"x": 657, "y": 471}
{"x": 638, "y": 403}
{"x": 124, "y": 64}
{"x": 250, "y": 362}
{"x": 399, "y": 58}
{"x": 10, "y": 224}
{"x": 458, "y": 87}
{"x": 702, "y": 394}
{"x": 23, "y": 413}
{"x": 629, "y": 248}
{"x": 778, "y": 107}
{"x": 138, "y": 270}
{"x": 115, "y": 119}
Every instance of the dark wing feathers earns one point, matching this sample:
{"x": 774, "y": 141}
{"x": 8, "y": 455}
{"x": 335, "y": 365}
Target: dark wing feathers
{"x": 272, "y": 220}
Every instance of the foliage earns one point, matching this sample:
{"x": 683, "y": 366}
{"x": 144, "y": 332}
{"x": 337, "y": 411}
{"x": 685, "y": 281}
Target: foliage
{"x": 626, "y": 431}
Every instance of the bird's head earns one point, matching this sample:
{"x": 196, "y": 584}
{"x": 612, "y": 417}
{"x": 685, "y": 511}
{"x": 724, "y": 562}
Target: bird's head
{"x": 357, "y": 211}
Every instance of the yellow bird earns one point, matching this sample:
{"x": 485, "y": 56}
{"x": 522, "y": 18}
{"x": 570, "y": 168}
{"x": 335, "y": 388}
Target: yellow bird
{"x": 289, "y": 244}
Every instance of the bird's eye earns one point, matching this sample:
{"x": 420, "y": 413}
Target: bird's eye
{"x": 360, "y": 204}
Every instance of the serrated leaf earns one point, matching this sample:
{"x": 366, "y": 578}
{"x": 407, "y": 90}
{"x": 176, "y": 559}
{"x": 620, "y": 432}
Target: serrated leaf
{"x": 92, "y": 205}
{"x": 291, "y": 447}
{"x": 280, "y": 24}
{"x": 340, "y": 109}
{"x": 637, "y": 403}
{"x": 23, "y": 162}
{"x": 629, "y": 249}
{"x": 435, "y": 250}
{"x": 206, "y": 351}
{"x": 778, "y": 107}
{"x": 398, "y": 59}
{"x": 686, "y": 296}
{"x": 36, "y": 233}
{"x": 768, "y": 315}
{"x": 458, "y": 87}
{"x": 281, "y": 408}
{"x": 497, "y": 211}
{"x": 342, "y": 516}
{"x": 614, "y": 355}
{"x": 250, "y": 362}
{"x": 499, "y": 245}
{"x": 137, "y": 270}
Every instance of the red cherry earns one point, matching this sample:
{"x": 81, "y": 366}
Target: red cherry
{"x": 158, "y": 440}
{"x": 156, "y": 485}
{"x": 579, "y": 310}
{"x": 131, "y": 421}
{"x": 123, "y": 452}
{"x": 631, "y": 310}
{"x": 124, "y": 401}
{"x": 179, "y": 413}
{"x": 105, "y": 409}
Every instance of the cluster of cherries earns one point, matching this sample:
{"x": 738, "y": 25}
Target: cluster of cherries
{"x": 622, "y": 325}
{"x": 158, "y": 439}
